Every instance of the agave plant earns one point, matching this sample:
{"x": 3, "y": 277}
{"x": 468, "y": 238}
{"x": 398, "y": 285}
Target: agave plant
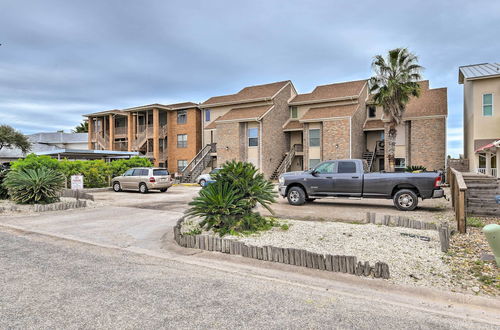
{"x": 34, "y": 186}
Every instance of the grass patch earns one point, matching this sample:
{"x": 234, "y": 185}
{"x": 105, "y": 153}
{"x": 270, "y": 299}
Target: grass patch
{"x": 475, "y": 222}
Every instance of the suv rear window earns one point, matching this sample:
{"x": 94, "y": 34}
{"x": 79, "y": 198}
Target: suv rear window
{"x": 161, "y": 172}
{"x": 347, "y": 167}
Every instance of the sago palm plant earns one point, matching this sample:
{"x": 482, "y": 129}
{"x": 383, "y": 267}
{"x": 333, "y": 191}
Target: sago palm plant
{"x": 34, "y": 186}
{"x": 394, "y": 82}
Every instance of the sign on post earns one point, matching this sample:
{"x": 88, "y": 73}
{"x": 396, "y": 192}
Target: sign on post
{"x": 76, "y": 182}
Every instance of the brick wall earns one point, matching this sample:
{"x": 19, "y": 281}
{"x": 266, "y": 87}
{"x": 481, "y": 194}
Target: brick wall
{"x": 229, "y": 144}
{"x": 358, "y": 141}
{"x": 274, "y": 142}
{"x": 428, "y": 143}
{"x": 336, "y": 133}
{"x": 192, "y": 128}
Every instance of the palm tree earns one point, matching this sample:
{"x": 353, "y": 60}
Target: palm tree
{"x": 394, "y": 82}
{"x": 83, "y": 127}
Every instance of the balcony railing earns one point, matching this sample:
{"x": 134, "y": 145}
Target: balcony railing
{"x": 120, "y": 146}
{"x": 492, "y": 171}
{"x": 121, "y": 131}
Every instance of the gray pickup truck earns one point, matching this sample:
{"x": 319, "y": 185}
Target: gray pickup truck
{"x": 350, "y": 178}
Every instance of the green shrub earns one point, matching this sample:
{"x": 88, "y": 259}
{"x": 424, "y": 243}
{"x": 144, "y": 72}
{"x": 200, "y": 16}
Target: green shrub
{"x": 33, "y": 161}
{"x": 475, "y": 222}
{"x": 3, "y": 191}
{"x": 96, "y": 173}
{"x": 34, "y": 186}
{"x": 415, "y": 168}
{"x": 226, "y": 205}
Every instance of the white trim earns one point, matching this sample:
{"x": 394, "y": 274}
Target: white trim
{"x": 423, "y": 117}
{"x": 343, "y": 98}
{"x": 350, "y": 137}
{"x": 323, "y": 119}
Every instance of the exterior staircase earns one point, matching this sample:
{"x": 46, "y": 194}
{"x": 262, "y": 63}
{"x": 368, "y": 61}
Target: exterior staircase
{"x": 286, "y": 162}
{"x": 481, "y": 193}
{"x": 369, "y": 156}
{"x": 198, "y": 164}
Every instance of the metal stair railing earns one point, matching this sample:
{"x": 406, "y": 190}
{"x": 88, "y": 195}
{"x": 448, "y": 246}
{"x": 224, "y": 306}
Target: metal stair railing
{"x": 200, "y": 159}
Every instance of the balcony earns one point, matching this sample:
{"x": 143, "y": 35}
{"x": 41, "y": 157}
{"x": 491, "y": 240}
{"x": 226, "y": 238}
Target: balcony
{"x": 122, "y": 131}
{"x": 120, "y": 146}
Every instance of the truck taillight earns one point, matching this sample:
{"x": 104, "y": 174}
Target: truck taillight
{"x": 437, "y": 182}
{"x": 152, "y": 179}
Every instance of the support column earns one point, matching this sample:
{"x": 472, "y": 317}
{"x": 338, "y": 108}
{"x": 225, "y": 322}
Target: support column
{"x": 488, "y": 163}
{"x": 130, "y": 131}
{"x": 111, "y": 142}
{"x": 498, "y": 162}
{"x": 156, "y": 137}
{"x": 90, "y": 133}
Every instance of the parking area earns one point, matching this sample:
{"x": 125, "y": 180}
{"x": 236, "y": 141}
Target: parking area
{"x": 343, "y": 209}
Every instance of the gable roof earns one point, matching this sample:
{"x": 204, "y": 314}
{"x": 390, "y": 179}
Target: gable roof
{"x": 478, "y": 71}
{"x": 372, "y": 125}
{"x": 329, "y": 112}
{"x": 331, "y": 92}
{"x": 245, "y": 114}
{"x": 247, "y": 94}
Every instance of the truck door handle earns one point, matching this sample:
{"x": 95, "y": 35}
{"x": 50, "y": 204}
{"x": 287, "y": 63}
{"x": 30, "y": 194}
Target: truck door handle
{"x": 355, "y": 177}
{"x": 329, "y": 177}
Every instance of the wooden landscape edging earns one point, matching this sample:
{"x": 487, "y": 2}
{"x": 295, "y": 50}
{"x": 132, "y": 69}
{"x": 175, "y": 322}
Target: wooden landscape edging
{"x": 291, "y": 256}
{"x": 405, "y": 222}
{"x": 60, "y": 206}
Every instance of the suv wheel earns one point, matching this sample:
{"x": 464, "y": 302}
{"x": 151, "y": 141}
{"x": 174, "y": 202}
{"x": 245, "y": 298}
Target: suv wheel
{"x": 163, "y": 189}
{"x": 143, "y": 189}
{"x": 117, "y": 187}
{"x": 296, "y": 196}
{"x": 405, "y": 200}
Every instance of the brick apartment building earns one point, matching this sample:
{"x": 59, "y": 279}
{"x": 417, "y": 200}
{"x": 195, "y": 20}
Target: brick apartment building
{"x": 277, "y": 129}
{"x": 168, "y": 135}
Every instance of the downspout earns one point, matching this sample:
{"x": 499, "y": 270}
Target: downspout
{"x": 260, "y": 144}
{"x": 350, "y": 137}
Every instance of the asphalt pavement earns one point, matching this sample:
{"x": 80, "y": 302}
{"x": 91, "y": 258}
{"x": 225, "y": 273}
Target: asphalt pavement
{"x": 48, "y": 282}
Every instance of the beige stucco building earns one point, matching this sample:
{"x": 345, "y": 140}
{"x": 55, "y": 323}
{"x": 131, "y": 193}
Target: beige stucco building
{"x": 481, "y": 116}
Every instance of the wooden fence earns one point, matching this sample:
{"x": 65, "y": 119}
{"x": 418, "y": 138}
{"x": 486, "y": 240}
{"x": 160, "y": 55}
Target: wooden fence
{"x": 458, "y": 190}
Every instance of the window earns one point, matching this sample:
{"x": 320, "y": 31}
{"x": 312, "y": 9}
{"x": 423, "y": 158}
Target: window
{"x": 314, "y": 138}
{"x": 181, "y": 165}
{"x": 313, "y": 162}
{"x": 293, "y": 112}
{"x": 140, "y": 172}
{"x": 207, "y": 115}
{"x": 347, "y": 167}
{"x": 399, "y": 163}
{"x": 326, "y": 168}
{"x": 182, "y": 140}
{"x": 253, "y": 137}
{"x": 488, "y": 105}
{"x": 161, "y": 172}
{"x": 129, "y": 172}
{"x": 181, "y": 116}
{"x": 372, "y": 111}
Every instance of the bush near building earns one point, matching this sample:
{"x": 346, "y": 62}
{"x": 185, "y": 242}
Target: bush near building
{"x": 96, "y": 173}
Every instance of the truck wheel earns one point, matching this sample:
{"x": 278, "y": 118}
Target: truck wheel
{"x": 296, "y": 196}
{"x": 405, "y": 200}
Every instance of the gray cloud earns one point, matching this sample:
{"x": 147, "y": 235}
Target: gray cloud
{"x": 61, "y": 59}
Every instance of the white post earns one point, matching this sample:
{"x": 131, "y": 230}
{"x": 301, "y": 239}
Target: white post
{"x": 488, "y": 163}
{"x": 498, "y": 162}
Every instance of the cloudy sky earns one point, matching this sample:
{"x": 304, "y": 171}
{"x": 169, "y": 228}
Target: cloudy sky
{"x": 60, "y": 59}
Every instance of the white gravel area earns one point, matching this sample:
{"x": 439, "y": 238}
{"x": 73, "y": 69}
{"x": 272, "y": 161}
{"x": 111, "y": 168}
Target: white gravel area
{"x": 9, "y": 208}
{"x": 411, "y": 260}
